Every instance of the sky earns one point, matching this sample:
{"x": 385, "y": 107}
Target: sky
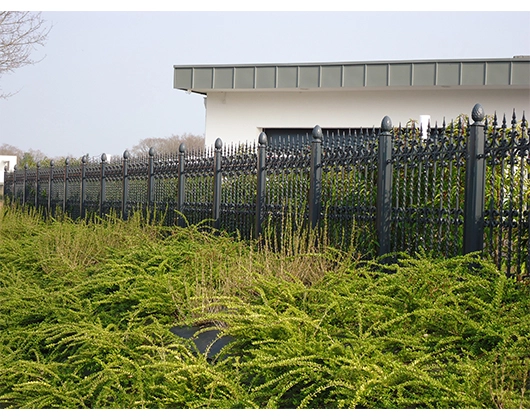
{"x": 104, "y": 81}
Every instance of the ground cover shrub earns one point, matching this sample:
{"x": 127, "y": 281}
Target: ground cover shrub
{"x": 86, "y": 308}
{"x": 418, "y": 334}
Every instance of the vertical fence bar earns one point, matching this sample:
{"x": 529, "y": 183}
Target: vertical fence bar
{"x": 102, "y": 185}
{"x": 474, "y": 192}
{"x": 261, "y": 184}
{"x": 65, "y": 182}
{"x": 82, "y": 194}
{"x": 384, "y": 187}
{"x": 216, "y": 211}
{"x": 315, "y": 178}
{"x": 181, "y": 183}
{"x": 151, "y": 179}
{"x": 125, "y": 186}
{"x": 50, "y": 187}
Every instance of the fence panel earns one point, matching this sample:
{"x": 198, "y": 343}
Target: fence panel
{"x": 92, "y": 189}
{"x": 198, "y": 197}
{"x": 137, "y": 198}
{"x": 73, "y": 193}
{"x": 349, "y": 181}
{"x": 165, "y": 177}
{"x": 428, "y": 190}
{"x": 287, "y": 186}
{"x": 507, "y": 206}
{"x": 238, "y": 193}
{"x": 56, "y": 188}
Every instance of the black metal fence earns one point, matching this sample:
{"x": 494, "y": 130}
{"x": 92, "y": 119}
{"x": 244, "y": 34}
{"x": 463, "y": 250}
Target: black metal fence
{"x": 464, "y": 187}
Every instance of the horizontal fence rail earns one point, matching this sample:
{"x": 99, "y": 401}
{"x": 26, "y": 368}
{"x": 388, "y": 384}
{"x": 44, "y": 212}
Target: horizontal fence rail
{"x": 458, "y": 188}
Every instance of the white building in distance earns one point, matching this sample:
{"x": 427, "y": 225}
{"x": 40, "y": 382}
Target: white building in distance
{"x": 6, "y": 162}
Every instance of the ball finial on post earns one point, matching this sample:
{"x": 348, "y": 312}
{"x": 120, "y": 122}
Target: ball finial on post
{"x": 477, "y": 114}
{"x": 262, "y": 139}
{"x": 317, "y": 133}
{"x": 386, "y": 124}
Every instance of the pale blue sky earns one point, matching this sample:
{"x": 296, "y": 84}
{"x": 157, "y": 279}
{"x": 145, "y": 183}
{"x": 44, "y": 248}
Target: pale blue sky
{"x": 105, "y": 79}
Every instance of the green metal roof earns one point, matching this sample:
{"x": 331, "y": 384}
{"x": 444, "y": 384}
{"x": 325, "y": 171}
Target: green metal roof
{"x": 352, "y": 75}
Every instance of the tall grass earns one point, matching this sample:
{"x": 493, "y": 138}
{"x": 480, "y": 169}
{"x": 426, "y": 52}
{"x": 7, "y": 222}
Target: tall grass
{"x": 86, "y": 308}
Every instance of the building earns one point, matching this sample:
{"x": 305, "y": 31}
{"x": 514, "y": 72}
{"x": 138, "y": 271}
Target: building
{"x": 243, "y": 100}
{"x": 6, "y": 163}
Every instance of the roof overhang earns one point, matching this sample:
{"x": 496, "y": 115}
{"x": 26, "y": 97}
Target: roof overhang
{"x": 472, "y": 73}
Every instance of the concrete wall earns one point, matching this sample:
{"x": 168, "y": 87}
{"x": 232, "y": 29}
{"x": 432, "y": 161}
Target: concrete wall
{"x": 240, "y": 116}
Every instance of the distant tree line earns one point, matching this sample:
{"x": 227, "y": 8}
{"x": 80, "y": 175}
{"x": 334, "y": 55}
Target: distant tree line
{"x": 162, "y": 145}
{"x": 168, "y": 144}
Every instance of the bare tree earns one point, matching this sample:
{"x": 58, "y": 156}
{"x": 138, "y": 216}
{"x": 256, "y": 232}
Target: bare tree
{"x": 20, "y": 33}
{"x": 30, "y": 157}
{"x": 7, "y": 149}
{"x": 168, "y": 144}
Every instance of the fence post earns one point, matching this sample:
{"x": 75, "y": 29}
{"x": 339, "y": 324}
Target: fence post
{"x": 262, "y": 183}
{"x": 315, "y": 177}
{"x": 181, "y": 183}
{"x": 50, "y": 187}
{"x": 384, "y": 187}
{"x": 24, "y": 184}
{"x": 4, "y": 188}
{"x": 14, "y": 191}
{"x": 37, "y": 186}
{"x": 151, "y": 179}
{"x": 217, "y": 183}
{"x": 65, "y": 183}
{"x": 125, "y": 186}
{"x": 83, "y": 188}
{"x": 102, "y": 191}
{"x": 474, "y": 192}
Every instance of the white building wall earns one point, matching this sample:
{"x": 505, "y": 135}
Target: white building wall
{"x": 10, "y": 162}
{"x": 240, "y": 116}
